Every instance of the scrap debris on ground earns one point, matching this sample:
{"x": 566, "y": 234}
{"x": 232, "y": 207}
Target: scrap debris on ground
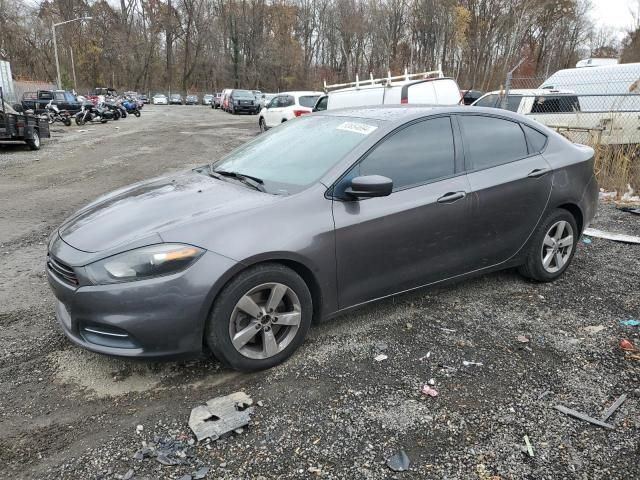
{"x": 221, "y": 416}
{"x": 616, "y": 237}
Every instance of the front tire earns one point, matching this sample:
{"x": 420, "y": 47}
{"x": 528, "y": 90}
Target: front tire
{"x": 262, "y": 124}
{"x": 260, "y": 318}
{"x": 552, "y": 247}
{"x": 137, "y": 113}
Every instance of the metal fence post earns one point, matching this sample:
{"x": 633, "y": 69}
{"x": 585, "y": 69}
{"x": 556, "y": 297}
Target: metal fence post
{"x": 507, "y": 85}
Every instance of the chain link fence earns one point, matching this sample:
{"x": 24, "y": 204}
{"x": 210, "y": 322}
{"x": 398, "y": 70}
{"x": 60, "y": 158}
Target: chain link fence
{"x": 595, "y": 106}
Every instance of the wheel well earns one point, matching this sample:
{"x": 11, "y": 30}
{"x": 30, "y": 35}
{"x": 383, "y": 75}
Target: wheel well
{"x": 574, "y": 210}
{"x": 310, "y": 279}
{"x": 283, "y": 120}
{"x": 302, "y": 270}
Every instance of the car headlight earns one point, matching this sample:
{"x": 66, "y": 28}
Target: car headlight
{"x": 143, "y": 263}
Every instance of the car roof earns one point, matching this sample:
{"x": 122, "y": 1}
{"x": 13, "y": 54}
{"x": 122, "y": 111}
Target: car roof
{"x": 402, "y": 113}
{"x": 300, "y": 92}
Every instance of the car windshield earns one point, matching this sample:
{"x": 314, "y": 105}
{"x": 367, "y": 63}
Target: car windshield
{"x": 243, "y": 94}
{"x": 296, "y": 154}
{"x": 308, "y": 100}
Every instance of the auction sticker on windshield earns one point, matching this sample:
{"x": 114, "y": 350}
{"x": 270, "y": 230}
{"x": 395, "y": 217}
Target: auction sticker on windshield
{"x": 361, "y": 128}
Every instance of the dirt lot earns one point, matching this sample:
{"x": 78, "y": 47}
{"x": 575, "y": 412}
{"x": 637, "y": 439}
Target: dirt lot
{"x": 331, "y": 411}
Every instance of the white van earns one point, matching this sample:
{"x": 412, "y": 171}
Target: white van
{"x": 429, "y": 88}
{"x": 602, "y": 88}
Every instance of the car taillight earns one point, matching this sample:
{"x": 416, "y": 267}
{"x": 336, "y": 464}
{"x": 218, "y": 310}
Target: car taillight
{"x": 404, "y": 101}
{"x": 299, "y": 113}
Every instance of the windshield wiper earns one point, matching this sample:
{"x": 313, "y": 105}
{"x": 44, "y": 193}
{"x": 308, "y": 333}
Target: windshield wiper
{"x": 254, "y": 182}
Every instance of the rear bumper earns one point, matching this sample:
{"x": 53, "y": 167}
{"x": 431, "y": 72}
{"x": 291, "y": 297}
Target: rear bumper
{"x": 163, "y": 317}
{"x": 589, "y": 202}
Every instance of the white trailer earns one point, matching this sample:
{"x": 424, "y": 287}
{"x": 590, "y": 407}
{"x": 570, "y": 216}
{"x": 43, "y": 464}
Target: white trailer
{"x": 564, "y": 111}
{"x": 6, "y": 82}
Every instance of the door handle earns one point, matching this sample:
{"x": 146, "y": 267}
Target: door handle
{"x": 451, "y": 197}
{"x": 538, "y": 172}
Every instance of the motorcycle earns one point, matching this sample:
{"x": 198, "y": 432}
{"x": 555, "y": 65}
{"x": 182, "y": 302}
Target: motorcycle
{"x": 117, "y": 110}
{"x": 91, "y": 113}
{"x": 54, "y": 114}
{"x": 131, "y": 106}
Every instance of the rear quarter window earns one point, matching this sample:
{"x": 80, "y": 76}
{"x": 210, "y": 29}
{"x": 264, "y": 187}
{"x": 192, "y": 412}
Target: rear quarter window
{"x": 537, "y": 141}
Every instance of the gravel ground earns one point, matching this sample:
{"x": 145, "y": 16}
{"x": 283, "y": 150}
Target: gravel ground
{"x": 332, "y": 411}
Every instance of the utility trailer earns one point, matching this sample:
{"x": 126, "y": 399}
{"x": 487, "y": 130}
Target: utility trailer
{"x": 20, "y": 127}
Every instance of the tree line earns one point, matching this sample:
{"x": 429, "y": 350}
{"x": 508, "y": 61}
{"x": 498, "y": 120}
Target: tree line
{"x": 276, "y": 45}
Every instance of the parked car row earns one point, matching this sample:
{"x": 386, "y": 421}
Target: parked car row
{"x": 178, "y": 99}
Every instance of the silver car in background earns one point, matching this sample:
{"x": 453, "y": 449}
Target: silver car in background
{"x": 241, "y": 255}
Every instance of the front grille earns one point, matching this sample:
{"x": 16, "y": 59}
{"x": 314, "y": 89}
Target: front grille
{"x": 62, "y": 271}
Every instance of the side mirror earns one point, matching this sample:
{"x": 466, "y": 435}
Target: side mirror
{"x": 370, "y": 186}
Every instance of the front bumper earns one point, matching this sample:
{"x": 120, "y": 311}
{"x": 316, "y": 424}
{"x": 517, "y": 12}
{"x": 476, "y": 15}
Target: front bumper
{"x": 246, "y": 108}
{"x": 160, "y": 317}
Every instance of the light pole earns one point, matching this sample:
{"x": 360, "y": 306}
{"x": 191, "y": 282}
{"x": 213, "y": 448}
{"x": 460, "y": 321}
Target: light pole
{"x": 55, "y": 44}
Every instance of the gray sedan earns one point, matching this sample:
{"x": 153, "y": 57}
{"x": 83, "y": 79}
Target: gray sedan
{"x": 320, "y": 215}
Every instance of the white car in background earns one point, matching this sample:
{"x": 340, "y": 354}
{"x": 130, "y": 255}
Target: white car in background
{"x": 160, "y": 99}
{"x": 286, "y": 106}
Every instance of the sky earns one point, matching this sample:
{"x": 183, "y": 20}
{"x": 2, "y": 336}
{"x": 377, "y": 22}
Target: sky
{"x": 615, "y": 14}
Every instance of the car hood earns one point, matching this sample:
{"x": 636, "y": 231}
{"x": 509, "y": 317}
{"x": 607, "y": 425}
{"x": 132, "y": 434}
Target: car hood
{"x": 147, "y": 208}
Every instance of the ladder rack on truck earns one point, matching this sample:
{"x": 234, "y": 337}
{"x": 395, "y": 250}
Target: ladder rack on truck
{"x": 386, "y": 81}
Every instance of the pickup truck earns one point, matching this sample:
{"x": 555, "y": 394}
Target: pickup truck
{"x": 590, "y": 119}
{"x": 21, "y": 127}
{"x": 37, "y": 101}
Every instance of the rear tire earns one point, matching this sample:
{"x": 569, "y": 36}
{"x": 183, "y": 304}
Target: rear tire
{"x": 262, "y": 124}
{"x": 552, "y": 247}
{"x": 67, "y": 122}
{"x": 267, "y": 341}
{"x": 137, "y": 113}
{"x": 34, "y": 141}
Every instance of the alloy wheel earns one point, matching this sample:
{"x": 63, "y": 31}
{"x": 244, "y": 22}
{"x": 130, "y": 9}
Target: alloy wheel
{"x": 265, "y": 321}
{"x": 557, "y": 246}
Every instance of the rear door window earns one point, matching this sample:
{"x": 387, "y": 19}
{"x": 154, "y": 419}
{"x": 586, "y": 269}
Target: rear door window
{"x": 417, "y": 154}
{"x": 513, "y": 103}
{"x": 491, "y": 141}
{"x": 487, "y": 101}
{"x": 495, "y": 101}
